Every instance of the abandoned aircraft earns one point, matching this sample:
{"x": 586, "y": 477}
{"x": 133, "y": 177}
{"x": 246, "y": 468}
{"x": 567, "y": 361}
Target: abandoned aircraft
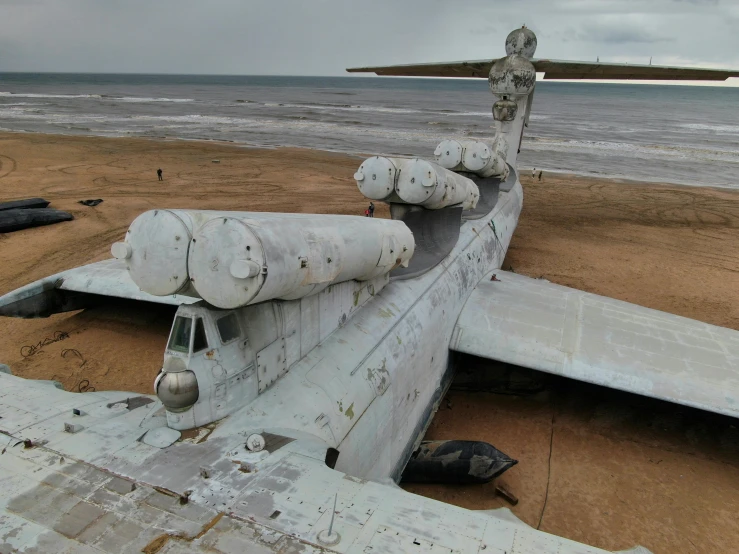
{"x": 309, "y": 353}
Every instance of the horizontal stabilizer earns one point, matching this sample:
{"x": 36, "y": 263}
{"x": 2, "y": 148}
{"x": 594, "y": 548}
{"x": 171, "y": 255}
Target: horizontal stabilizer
{"x": 79, "y": 288}
{"x": 539, "y": 325}
{"x": 557, "y": 69}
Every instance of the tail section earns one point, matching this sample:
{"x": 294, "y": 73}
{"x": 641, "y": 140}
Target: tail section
{"x": 556, "y": 69}
{"x": 513, "y": 78}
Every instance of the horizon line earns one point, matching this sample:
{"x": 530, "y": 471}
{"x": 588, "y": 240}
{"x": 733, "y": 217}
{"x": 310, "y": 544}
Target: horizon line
{"x": 728, "y": 83}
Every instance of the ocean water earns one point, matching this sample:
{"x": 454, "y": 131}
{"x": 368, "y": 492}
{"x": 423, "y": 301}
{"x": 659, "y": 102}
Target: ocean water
{"x": 678, "y": 134}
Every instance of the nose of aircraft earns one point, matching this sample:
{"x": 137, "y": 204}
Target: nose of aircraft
{"x": 177, "y": 391}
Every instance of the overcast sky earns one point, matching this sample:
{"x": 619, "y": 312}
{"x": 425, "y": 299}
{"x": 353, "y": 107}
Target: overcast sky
{"x": 322, "y": 37}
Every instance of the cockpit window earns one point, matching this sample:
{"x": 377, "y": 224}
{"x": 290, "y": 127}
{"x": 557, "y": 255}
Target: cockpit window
{"x": 199, "y": 341}
{"x": 228, "y": 327}
{"x": 179, "y": 341}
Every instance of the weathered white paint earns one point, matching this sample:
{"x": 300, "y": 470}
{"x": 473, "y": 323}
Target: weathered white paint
{"x": 415, "y": 181}
{"x": 239, "y": 258}
{"x": 272, "y": 338}
{"x": 103, "y": 490}
{"x": 376, "y": 178}
{"x": 369, "y": 388}
{"x": 474, "y": 156}
{"x": 537, "y": 324}
{"x": 155, "y": 251}
{"x": 105, "y": 278}
{"x": 448, "y": 154}
{"x": 429, "y": 185}
{"x": 366, "y": 385}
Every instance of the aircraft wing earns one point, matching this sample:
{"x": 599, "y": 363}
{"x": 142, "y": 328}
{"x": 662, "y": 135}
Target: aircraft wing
{"x": 479, "y": 69}
{"x": 79, "y": 288}
{"x": 100, "y": 472}
{"x": 557, "y": 69}
{"x": 537, "y": 324}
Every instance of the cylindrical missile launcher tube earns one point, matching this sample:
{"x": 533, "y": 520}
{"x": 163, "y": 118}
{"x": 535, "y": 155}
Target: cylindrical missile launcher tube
{"x": 296, "y": 257}
{"x": 237, "y": 258}
{"x": 414, "y": 181}
{"x": 474, "y": 156}
{"x": 448, "y": 154}
{"x": 376, "y": 178}
{"x": 431, "y": 186}
{"x": 157, "y": 245}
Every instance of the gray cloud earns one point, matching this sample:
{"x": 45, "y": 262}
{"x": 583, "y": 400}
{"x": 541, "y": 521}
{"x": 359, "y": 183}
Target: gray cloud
{"x": 322, "y": 37}
{"x": 621, "y": 30}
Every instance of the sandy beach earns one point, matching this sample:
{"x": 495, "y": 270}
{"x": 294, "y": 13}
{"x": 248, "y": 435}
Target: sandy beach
{"x": 606, "y": 468}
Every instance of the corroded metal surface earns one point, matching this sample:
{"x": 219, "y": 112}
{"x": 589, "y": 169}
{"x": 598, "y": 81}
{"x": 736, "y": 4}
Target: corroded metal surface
{"x": 512, "y": 75}
{"x": 521, "y": 41}
{"x": 101, "y": 490}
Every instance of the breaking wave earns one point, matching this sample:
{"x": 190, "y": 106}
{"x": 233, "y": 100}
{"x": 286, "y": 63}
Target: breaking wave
{"x": 39, "y": 95}
{"x": 92, "y": 96}
{"x": 643, "y": 151}
{"x": 143, "y": 99}
{"x": 724, "y": 129}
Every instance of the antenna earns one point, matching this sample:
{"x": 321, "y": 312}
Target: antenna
{"x": 333, "y": 514}
{"x": 327, "y": 536}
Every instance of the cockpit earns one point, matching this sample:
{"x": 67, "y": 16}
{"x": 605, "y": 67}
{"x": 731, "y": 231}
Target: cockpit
{"x": 189, "y": 335}
{"x": 183, "y": 339}
{"x": 207, "y": 357}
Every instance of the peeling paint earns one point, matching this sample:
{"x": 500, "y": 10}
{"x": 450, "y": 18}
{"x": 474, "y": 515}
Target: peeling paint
{"x": 386, "y": 313}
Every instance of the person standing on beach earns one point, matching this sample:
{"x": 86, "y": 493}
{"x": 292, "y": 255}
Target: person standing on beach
{"x": 159, "y": 174}
{"x": 372, "y": 209}
{"x": 540, "y": 174}
{"x": 533, "y": 173}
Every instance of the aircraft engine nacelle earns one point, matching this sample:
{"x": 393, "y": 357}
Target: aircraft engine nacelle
{"x": 232, "y": 259}
{"x": 415, "y": 181}
{"x": 474, "y": 156}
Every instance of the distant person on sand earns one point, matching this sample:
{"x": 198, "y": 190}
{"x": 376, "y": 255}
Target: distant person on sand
{"x": 540, "y": 174}
{"x": 159, "y": 174}
{"x": 533, "y": 173}
{"x": 371, "y": 209}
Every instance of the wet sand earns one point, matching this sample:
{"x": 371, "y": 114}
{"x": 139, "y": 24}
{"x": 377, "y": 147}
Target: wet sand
{"x": 603, "y": 467}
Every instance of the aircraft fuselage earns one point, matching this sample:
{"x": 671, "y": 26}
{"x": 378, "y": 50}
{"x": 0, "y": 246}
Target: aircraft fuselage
{"x": 371, "y": 387}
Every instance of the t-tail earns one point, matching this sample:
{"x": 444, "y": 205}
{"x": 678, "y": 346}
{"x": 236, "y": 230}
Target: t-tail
{"x": 513, "y": 79}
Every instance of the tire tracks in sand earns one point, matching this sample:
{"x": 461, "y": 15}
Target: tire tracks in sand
{"x": 7, "y": 166}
